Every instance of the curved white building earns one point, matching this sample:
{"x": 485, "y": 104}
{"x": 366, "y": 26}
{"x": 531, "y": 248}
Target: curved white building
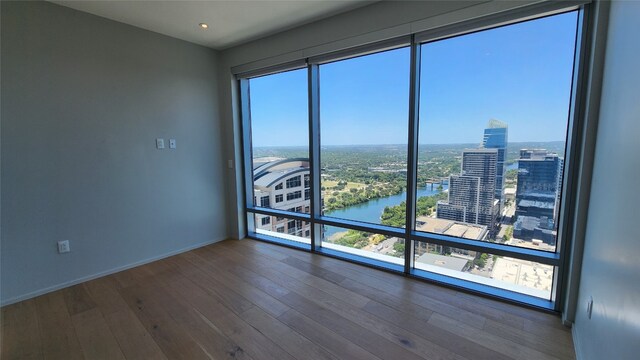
{"x": 282, "y": 184}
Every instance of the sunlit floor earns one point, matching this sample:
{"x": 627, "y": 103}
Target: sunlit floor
{"x": 252, "y": 300}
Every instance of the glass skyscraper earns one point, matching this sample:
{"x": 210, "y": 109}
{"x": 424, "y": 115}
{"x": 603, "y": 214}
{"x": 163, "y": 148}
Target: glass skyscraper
{"x": 539, "y": 181}
{"x": 496, "y": 137}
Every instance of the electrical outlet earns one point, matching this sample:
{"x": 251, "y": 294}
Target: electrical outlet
{"x": 160, "y": 143}
{"x": 63, "y": 246}
{"x": 590, "y": 307}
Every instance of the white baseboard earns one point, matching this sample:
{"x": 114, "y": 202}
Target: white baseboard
{"x": 576, "y": 342}
{"x": 104, "y": 273}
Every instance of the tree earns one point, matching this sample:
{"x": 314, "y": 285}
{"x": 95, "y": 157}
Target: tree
{"x": 398, "y": 248}
{"x": 377, "y": 239}
{"x": 354, "y": 238}
{"x": 481, "y": 261}
{"x": 508, "y": 233}
{"x": 396, "y": 215}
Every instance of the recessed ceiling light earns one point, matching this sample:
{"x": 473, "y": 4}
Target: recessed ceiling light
{"x": 203, "y": 25}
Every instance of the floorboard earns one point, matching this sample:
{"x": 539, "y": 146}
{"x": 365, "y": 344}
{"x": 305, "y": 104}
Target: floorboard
{"x": 253, "y": 300}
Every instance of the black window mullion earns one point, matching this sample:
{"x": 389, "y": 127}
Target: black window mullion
{"x": 569, "y": 201}
{"x": 540, "y": 256}
{"x": 279, "y": 213}
{"x": 247, "y": 155}
{"x": 412, "y": 154}
{"x": 314, "y": 154}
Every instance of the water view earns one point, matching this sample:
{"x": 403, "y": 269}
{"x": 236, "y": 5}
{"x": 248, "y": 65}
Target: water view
{"x": 370, "y": 211}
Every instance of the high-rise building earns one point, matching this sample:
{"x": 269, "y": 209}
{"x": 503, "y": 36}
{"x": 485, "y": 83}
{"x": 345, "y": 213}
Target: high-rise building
{"x": 496, "y": 137}
{"x": 537, "y": 194}
{"x": 539, "y": 180}
{"x": 464, "y": 197}
{"x": 282, "y": 184}
{"x": 472, "y": 193}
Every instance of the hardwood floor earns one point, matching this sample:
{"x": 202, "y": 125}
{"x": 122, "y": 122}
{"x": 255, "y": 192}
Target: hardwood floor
{"x": 252, "y": 300}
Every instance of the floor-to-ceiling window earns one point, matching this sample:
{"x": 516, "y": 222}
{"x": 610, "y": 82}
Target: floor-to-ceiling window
{"x": 494, "y": 110}
{"x": 280, "y": 154}
{"x": 443, "y": 155}
{"x": 363, "y": 149}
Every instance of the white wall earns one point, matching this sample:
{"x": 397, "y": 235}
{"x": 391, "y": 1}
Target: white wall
{"x": 83, "y": 99}
{"x": 611, "y": 263}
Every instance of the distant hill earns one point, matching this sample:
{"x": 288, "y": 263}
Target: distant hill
{"x": 513, "y": 149}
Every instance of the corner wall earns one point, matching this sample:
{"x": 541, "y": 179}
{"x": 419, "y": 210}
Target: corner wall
{"x": 83, "y": 100}
{"x": 611, "y": 262}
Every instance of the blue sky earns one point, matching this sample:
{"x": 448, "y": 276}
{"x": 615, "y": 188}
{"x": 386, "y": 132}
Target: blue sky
{"x": 519, "y": 74}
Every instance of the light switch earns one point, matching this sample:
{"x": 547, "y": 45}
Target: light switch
{"x": 160, "y": 143}
{"x": 63, "y": 246}
{"x": 172, "y": 143}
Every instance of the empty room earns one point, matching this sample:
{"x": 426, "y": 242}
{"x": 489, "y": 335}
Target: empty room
{"x": 307, "y": 179}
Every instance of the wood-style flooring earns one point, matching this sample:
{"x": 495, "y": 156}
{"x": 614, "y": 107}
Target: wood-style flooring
{"x": 252, "y": 300}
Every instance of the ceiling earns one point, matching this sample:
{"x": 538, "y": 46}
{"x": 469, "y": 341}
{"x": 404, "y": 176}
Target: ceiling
{"x": 230, "y": 22}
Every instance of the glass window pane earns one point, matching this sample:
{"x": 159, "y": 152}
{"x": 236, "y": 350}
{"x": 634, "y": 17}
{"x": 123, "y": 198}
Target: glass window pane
{"x": 522, "y": 276}
{"x": 280, "y": 140}
{"x": 374, "y": 246}
{"x": 283, "y": 228}
{"x": 497, "y": 180}
{"x": 363, "y": 119}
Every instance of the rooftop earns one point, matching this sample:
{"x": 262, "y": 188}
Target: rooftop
{"x": 269, "y": 170}
{"x": 451, "y": 228}
{"x": 271, "y": 178}
{"x": 496, "y": 124}
{"x": 537, "y": 204}
{"x": 257, "y": 162}
{"x": 524, "y": 273}
{"x": 448, "y": 262}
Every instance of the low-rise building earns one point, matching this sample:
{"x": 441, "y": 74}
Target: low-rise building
{"x": 451, "y": 228}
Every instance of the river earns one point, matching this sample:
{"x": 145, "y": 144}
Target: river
{"x": 371, "y": 210}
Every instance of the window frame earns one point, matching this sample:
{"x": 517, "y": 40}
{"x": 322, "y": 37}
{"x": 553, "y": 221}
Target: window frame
{"x": 294, "y": 195}
{"x": 557, "y": 259}
{"x": 265, "y": 201}
{"x": 294, "y": 182}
